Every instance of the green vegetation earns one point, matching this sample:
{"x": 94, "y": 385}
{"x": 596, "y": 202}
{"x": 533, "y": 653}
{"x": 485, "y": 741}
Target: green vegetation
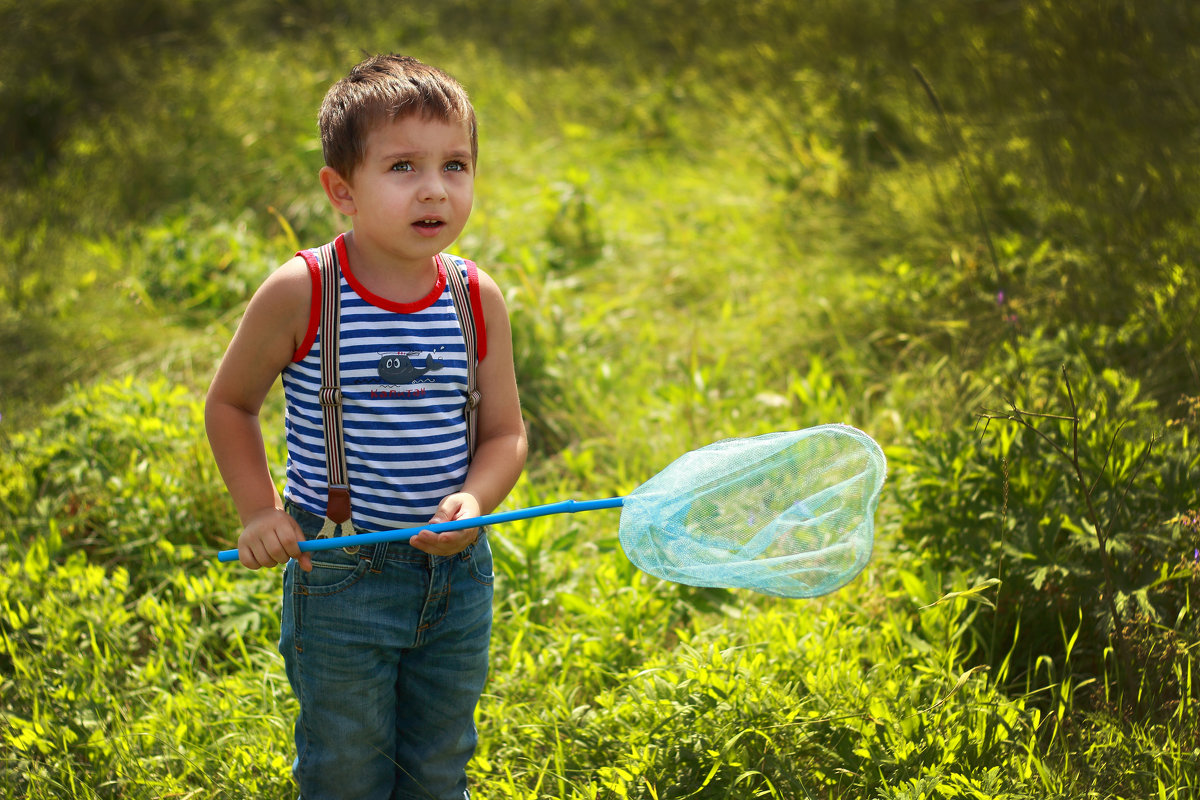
{"x": 967, "y": 228}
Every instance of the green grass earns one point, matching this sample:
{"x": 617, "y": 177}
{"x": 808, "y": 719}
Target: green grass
{"x": 725, "y": 239}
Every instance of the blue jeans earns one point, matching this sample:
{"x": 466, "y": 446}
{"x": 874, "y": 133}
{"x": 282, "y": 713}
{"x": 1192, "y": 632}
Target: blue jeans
{"x": 386, "y": 649}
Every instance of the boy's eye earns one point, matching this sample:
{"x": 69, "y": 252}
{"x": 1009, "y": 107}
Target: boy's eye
{"x": 456, "y": 166}
{"x": 402, "y": 166}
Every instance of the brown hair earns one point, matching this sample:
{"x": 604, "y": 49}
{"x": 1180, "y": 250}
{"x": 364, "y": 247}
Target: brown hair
{"x": 387, "y": 88}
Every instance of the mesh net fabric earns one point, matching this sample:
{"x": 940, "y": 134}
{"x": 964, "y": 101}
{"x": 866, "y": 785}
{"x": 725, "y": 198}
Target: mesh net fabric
{"x": 788, "y": 514}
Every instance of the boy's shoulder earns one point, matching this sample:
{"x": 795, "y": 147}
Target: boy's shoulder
{"x": 290, "y": 280}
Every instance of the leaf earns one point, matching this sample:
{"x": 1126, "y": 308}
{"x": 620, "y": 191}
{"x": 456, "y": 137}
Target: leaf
{"x": 972, "y": 594}
{"x": 962, "y": 679}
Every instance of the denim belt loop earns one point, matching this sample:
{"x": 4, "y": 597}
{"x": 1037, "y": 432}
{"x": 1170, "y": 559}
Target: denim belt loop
{"x": 379, "y": 557}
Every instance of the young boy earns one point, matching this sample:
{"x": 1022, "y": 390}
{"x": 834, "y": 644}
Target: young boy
{"x": 385, "y": 646}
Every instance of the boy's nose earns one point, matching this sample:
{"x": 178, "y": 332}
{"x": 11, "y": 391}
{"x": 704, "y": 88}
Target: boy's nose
{"x": 433, "y": 189}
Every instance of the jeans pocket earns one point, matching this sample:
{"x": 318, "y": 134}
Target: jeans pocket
{"x": 320, "y": 599}
{"x": 479, "y": 561}
{"x": 333, "y": 571}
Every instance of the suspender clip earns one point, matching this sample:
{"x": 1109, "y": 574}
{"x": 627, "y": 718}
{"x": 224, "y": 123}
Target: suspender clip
{"x": 338, "y": 507}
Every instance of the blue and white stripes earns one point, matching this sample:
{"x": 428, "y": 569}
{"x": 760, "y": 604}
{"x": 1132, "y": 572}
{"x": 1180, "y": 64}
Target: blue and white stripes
{"x": 404, "y": 383}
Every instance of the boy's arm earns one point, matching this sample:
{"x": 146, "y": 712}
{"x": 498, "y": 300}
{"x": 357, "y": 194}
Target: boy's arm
{"x": 501, "y": 444}
{"x": 270, "y": 331}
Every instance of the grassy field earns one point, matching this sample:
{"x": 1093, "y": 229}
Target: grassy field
{"x": 969, "y": 231}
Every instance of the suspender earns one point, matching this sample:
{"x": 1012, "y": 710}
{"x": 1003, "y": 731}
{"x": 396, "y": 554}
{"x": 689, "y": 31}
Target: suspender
{"x": 461, "y": 291}
{"x": 337, "y": 510}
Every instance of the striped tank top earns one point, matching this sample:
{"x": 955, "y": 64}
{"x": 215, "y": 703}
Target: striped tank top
{"x": 404, "y": 386}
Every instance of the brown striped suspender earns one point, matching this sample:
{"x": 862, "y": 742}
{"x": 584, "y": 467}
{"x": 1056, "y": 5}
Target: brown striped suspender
{"x": 337, "y": 510}
{"x": 461, "y": 291}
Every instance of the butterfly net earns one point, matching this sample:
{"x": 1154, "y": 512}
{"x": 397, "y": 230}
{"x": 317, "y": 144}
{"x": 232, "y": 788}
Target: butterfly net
{"x": 787, "y": 514}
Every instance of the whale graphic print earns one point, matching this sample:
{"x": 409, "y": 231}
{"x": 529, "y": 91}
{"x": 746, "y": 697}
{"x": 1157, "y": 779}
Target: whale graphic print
{"x": 398, "y": 369}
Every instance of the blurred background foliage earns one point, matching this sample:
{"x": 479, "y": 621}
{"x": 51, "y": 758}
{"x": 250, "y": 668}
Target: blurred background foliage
{"x": 1072, "y": 130}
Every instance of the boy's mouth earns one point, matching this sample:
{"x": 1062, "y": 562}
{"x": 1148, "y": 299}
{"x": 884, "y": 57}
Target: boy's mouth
{"x": 430, "y": 226}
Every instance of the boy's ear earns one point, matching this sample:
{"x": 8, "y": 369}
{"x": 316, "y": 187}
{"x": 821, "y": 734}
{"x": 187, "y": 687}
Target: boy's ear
{"x": 338, "y": 190}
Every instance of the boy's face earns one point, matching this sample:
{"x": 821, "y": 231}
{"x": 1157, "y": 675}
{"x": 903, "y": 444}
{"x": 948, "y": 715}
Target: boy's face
{"x": 413, "y": 191}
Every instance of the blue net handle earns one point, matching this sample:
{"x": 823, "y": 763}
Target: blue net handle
{"x": 403, "y": 534}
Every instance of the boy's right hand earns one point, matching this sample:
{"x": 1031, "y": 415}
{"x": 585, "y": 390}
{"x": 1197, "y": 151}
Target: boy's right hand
{"x": 271, "y": 537}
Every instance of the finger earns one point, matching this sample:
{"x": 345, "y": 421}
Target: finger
{"x": 256, "y": 556}
{"x": 444, "y": 544}
{"x": 277, "y": 549}
{"x": 432, "y": 543}
{"x": 292, "y": 538}
{"x": 423, "y": 539}
{"x": 264, "y": 553}
{"x": 246, "y": 557}
{"x": 291, "y": 543}
{"x": 449, "y": 542}
{"x": 448, "y": 509}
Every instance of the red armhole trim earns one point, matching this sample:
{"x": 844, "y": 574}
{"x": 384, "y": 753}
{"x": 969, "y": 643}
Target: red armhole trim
{"x": 314, "y": 308}
{"x": 477, "y": 311}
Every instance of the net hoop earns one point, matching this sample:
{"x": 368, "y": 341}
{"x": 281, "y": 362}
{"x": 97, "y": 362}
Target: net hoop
{"x": 788, "y": 514}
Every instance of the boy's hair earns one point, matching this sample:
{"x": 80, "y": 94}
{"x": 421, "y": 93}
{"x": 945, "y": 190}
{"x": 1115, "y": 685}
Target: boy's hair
{"x": 386, "y": 88}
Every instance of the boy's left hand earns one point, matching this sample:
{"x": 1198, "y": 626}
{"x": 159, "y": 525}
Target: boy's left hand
{"x": 456, "y": 506}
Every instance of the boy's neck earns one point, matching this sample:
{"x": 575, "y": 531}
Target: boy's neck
{"x": 399, "y": 281}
